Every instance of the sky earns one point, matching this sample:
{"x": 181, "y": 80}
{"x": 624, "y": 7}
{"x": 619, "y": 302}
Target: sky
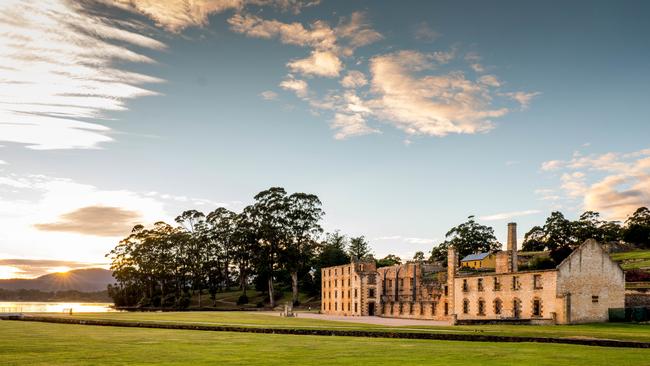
{"x": 404, "y": 117}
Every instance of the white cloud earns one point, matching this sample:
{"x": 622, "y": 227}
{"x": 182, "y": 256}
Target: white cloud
{"x": 357, "y": 32}
{"x": 176, "y": 15}
{"x": 508, "y": 215}
{"x": 2, "y": 162}
{"x": 614, "y": 184}
{"x": 354, "y": 79}
{"x": 269, "y": 95}
{"x": 319, "y": 63}
{"x": 299, "y": 87}
{"x": 523, "y": 98}
{"x": 489, "y": 80}
{"x": 58, "y": 68}
{"x": 348, "y": 125}
{"x": 434, "y": 105}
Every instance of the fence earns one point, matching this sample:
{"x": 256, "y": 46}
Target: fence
{"x": 631, "y": 314}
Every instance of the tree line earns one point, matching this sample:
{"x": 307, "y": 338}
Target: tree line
{"x": 277, "y": 244}
{"x": 274, "y": 244}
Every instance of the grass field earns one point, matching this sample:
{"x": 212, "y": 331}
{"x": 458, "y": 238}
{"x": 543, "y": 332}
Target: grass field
{"x": 637, "y": 259}
{"x": 619, "y": 331}
{"x": 28, "y": 343}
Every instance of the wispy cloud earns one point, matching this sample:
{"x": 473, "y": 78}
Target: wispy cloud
{"x": 95, "y": 220}
{"x": 508, "y": 215}
{"x": 269, "y": 95}
{"x": 423, "y": 32}
{"x": 59, "y": 69}
{"x": 615, "y": 184}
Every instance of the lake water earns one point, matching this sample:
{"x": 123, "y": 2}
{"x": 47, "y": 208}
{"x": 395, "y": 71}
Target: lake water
{"x": 54, "y": 307}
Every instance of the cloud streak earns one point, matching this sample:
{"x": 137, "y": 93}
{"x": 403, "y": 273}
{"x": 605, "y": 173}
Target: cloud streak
{"x": 508, "y": 215}
{"x": 58, "y": 70}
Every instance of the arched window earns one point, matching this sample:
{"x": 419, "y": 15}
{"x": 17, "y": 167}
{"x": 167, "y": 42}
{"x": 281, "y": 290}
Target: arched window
{"x": 465, "y": 306}
{"x": 498, "y": 306}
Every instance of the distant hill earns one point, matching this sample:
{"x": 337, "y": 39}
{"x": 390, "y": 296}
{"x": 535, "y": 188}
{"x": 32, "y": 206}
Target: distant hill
{"x": 85, "y": 280}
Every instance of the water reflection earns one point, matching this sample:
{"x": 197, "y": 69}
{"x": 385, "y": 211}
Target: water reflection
{"x": 54, "y": 307}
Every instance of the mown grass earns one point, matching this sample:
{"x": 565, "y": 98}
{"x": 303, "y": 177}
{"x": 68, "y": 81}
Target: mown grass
{"x": 637, "y": 259}
{"x": 28, "y": 343}
{"x": 618, "y": 331}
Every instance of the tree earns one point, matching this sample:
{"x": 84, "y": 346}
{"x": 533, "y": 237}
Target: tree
{"x": 193, "y": 222}
{"x": 467, "y": 238}
{"x": 389, "y": 260}
{"x": 359, "y": 248}
{"x": 637, "y": 228}
{"x": 304, "y": 214}
{"x": 534, "y": 240}
{"x": 269, "y": 217}
{"x": 330, "y": 252}
{"x": 418, "y": 256}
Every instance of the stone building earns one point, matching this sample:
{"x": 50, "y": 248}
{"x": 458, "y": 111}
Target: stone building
{"x": 349, "y": 289}
{"x": 581, "y": 289}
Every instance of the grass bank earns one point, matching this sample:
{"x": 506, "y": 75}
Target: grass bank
{"x": 615, "y": 331}
{"x": 29, "y": 343}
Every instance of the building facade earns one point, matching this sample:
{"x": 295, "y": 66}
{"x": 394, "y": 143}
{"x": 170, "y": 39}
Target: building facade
{"x": 581, "y": 289}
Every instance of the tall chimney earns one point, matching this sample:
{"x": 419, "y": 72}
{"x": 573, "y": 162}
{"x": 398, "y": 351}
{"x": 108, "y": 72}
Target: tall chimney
{"x": 452, "y": 263}
{"x": 512, "y": 245}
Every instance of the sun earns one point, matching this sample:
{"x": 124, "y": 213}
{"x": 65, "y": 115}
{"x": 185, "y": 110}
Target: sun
{"x": 61, "y": 269}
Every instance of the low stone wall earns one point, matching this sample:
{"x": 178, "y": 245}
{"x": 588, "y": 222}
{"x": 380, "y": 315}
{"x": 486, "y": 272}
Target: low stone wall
{"x": 335, "y": 332}
{"x": 637, "y": 299}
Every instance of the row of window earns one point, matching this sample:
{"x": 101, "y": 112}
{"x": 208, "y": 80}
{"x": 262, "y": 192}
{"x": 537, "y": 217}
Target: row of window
{"x": 497, "y": 307}
{"x": 336, "y": 282}
{"x": 391, "y": 307}
{"x": 496, "y": 283}
{"x": 336, "y": 271}
{"x": 328, "y": 295}
{"x": 336, "y": 307}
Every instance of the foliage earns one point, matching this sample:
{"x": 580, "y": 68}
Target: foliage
{"x": 389, "y": 260}
{"x": 541, "y": 262}
{"x": 637, "y": 228}
{"x": 359, "y": 248}
{"x": 467, "y": 238}
{"x": 165, "y": 266}
{"x": 418, "y": 256}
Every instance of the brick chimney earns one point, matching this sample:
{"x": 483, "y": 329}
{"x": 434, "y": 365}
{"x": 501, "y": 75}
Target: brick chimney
{"x": 452, "y": 264}
{"x": 512, "y": 245}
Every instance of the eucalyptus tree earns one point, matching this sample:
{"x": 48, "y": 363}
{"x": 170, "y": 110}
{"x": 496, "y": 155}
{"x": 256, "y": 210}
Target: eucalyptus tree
{"x": 304, "y": 214}
{"x": 222, "y": 226}
{"x": 467, "y": 238}
{"x": 193, "y": 222}
{"x": 245, "y": 246}
{"x": 271, "y": 224}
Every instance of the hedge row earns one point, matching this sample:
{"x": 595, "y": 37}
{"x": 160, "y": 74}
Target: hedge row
{"x": 334, "y": 332}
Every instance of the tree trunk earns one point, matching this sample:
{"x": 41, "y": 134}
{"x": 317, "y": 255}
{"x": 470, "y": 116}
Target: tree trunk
{"x": 200, "y": 291}
{"x": 271, "y": 294}
{"x": 294, "y": 286}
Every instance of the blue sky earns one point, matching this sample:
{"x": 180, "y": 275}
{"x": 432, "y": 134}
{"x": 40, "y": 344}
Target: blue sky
{"x": 404, "y": 118}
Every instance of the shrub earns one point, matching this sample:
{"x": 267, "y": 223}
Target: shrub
{"x": 637, "y": 275}
{"x": 243, "y": 299}
{"x": 541, "y": 263}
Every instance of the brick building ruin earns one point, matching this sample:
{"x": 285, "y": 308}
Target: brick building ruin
{"x": 580, "y": 289}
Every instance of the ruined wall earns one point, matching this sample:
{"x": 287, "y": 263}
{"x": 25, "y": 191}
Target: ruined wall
{"x": 590, "y": 283}
{"x": 530, "y": 287}
{"x": 410, "y": 291}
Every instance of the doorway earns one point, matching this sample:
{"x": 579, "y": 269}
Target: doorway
{"x": 371, "y": 308}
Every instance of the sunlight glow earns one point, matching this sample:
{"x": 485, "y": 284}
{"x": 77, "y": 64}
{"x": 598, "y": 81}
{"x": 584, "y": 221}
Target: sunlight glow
{"x": 10, "y": 272}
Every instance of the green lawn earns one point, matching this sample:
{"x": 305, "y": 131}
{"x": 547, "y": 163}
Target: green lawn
{"x": 620, "y": 331}
{"x": 637, "y": 259}
{"x": 29, "y": 343}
